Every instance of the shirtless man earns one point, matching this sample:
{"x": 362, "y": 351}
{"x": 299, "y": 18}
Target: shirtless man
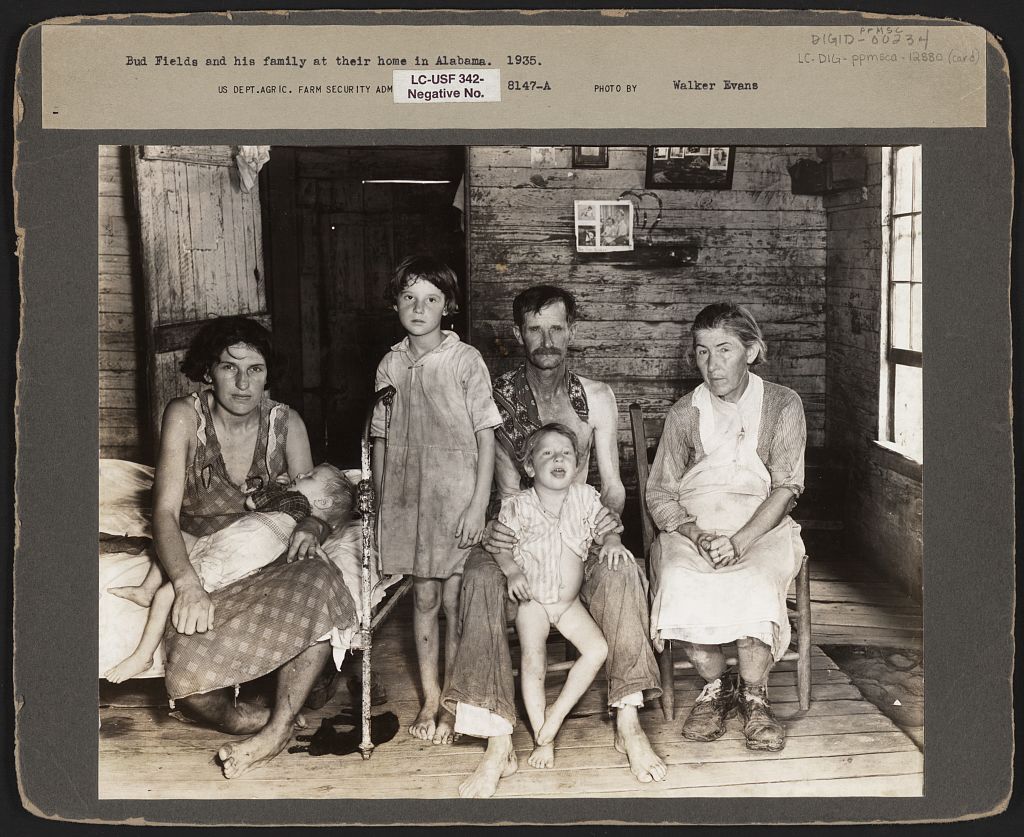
{"x": 481, "y": 691}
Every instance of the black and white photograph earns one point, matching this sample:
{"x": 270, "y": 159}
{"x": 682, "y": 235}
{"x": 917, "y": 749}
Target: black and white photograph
{"x": 603, "y": 226}
{"x": 417, "y": 480}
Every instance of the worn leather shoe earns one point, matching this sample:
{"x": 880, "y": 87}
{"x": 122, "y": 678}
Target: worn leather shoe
{"x": 714, "y": 704}
{"x": 760, "y": 726}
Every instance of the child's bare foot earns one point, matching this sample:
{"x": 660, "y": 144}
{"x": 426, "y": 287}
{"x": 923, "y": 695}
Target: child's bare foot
{"x": 549, "y": 729}
{"x": 138, "y": 595}
{"x": 129, "y": 667}
{"x": 240, "y": 757}
{"x": 444, "y": 733}
{"x": 425, "y": 724}
{"x": 543, "y": 755}
{"x": 499, "y": 762}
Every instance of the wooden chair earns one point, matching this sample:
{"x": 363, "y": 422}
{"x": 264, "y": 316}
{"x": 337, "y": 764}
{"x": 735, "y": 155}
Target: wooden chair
{"x": 646, "y": 431}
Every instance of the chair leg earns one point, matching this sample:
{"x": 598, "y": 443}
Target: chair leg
{"x": 803, "y": 636}
{"x": 668, "y": 698}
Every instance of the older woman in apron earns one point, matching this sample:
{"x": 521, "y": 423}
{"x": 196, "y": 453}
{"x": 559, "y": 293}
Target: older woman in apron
{"x": 729, "y": 468}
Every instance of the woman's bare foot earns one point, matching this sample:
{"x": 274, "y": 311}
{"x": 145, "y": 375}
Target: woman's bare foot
{"x": 425, "y": 724}
{"x": 237, "y": 758}
{"x": 444, "y": 733}
{"x": 245, "y": 717}
{"x": 129, "y": 667}
{"x": 543, "y": 755}
{"x": 499, "y": 762}
{"x": 138, "y": 595}
{"x": 631, "y": 741}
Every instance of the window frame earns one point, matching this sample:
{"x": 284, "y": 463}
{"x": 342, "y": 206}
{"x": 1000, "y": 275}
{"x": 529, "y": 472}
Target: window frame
{"x": 890, "y": 357}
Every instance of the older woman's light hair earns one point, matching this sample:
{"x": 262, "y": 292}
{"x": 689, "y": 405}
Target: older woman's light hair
{"x": 738, "y": 321}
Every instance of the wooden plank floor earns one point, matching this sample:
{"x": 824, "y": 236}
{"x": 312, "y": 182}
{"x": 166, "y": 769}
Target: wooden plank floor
{"x": 852, "y": 605}
{"x": 842, "y": 746}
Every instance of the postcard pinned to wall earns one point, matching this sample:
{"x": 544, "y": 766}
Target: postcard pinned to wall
{"x": 603, "y": 226}
{"x": 715, "y": 246}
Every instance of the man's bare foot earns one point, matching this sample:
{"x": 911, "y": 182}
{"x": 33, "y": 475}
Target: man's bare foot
{"x": 543, "y": 755}
{"x": 138, "y": 595}
{"x": 129, "y": 667}
{"x": 498, "y": 763}
{"x": 444, "y": 733}
{"x": 631, "y": 741}
{"x": 425, "y": 724}
{"x": 240, "y": 757}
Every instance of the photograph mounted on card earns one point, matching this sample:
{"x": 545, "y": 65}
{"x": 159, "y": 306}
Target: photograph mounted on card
{"x": 603, "y": 226}
{"x": 690, "y": 166}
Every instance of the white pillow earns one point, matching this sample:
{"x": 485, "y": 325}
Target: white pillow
{"x": 126, "y": 504}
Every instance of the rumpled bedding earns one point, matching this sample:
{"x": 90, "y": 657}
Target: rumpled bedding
{"x": 125, "y": 509}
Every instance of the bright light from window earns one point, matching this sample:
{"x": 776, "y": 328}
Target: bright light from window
{"x": 901, "y": 391}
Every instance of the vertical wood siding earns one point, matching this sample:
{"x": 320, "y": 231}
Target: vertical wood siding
{"x": 122, "y": 406}
{"x": 757, "y": 244}
{"x": 884, "y": 507}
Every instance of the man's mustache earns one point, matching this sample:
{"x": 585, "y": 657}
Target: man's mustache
{"x": 557, "y": 352}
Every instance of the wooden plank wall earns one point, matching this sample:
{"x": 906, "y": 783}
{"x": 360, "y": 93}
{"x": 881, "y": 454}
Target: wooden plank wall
{"x": 884, "y": 503}
{"x": 122, "y": 399}
{"x": 756, "y": 244}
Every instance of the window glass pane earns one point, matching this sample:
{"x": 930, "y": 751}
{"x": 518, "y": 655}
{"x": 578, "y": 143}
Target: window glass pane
{"x": 901, "y": 257}
{"x": 916, "y": 259}
{"x": 907, "y": 179}
{"x": 899, "y": 311}
{"x": 915, "y": 317}
{"x": 907, "y": 419}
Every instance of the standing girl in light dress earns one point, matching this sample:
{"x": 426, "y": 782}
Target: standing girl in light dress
{"x": 433, "y": 466}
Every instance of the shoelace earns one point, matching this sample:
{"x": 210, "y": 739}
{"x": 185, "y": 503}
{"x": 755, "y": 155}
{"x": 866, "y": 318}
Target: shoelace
{"x": 711, "y": 691}
{"x": 755, "y": 697}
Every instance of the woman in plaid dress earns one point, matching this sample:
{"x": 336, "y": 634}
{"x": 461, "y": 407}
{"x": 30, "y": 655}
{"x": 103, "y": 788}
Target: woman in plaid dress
{"x": 216, "y": 447}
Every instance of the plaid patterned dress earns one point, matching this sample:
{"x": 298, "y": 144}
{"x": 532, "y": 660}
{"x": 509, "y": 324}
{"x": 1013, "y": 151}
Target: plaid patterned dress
{"x": 264, "y": 620}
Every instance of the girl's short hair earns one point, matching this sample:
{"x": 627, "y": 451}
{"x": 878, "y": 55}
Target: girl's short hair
{"x": 216, "y": 335}
{"x": 425, "y": 268}
{"x": 738, "y": 321}
{"x": 552, "y": 427}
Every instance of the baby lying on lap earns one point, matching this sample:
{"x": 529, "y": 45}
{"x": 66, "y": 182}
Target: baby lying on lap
{"x": 554, "y": 525}
{"x": 238, "y": 550}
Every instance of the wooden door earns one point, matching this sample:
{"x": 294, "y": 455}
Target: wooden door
{"x": 202, "y": 254}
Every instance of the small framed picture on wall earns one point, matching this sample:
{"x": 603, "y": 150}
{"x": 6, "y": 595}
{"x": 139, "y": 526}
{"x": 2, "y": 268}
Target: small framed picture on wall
{"x": 590, "y": 156}
{"x": 690, "y": 166}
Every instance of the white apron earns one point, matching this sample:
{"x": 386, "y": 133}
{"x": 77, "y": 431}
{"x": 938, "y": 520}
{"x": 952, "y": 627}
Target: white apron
{"x": 695, "y": 602}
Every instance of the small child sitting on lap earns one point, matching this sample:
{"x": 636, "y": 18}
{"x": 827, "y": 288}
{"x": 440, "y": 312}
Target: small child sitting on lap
{"x": 554, "y": 525}
{"x": 238, "y": 550}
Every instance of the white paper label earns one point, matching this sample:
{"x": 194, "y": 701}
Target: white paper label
{"x": 437, "y": 85}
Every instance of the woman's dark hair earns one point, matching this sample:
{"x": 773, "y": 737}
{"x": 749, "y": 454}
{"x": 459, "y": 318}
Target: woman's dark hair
{"x": 428, "y": 269}
{"x": 533, "y": 300}
{"x": 216, "y": 335}
{"x": 737, "y": 320}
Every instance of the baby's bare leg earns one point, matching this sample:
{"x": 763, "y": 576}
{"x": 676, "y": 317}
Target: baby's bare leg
{"x": 142, "y": 657}
{"x": 141, "y": 594}
{"x": 577, "y": 626}
{"x": 532, "y": 625}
